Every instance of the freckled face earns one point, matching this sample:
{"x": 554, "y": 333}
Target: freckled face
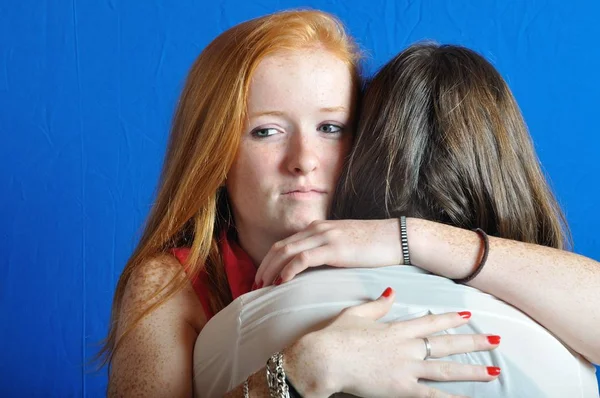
{"x": 294, "y": 143}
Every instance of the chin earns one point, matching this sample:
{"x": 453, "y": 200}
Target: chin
{"x": 296, "y": 223}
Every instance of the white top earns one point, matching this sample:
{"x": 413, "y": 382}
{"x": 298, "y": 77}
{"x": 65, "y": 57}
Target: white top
{"x": 238, "y": 340}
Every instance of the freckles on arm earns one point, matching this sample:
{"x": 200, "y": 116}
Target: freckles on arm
{"x": 558, "y": 289}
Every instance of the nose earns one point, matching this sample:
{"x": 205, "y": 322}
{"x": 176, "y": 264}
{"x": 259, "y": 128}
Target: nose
{"x": 302, "y": 154}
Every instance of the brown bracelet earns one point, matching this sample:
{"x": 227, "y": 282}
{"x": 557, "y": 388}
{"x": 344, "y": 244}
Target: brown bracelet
{"x": 486, "y": 249}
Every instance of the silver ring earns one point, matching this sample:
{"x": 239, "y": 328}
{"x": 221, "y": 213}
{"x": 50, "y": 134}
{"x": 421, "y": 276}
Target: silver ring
{"x": 427, "y": 348}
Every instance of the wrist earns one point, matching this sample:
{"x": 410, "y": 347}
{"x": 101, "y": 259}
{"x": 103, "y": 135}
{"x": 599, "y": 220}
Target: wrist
{"x": 416, "y": 234}
{"x": 425, "y": 245}
{"x": 307, "y": 367}
{"x": 391, "y": 231}
{"x": 442, "y": 249}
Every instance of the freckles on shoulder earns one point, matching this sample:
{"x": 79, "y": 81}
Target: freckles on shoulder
{"x": 152, "y": 282}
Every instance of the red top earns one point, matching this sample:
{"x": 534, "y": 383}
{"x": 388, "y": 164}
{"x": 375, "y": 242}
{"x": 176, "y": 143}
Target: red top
{"x": 239, "y": 268}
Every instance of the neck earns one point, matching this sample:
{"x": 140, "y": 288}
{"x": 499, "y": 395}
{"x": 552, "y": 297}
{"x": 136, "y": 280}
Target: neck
{"x": 256, "y": 244}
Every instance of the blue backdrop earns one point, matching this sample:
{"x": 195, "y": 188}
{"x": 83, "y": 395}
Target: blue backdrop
{"x": 87, "y": 90}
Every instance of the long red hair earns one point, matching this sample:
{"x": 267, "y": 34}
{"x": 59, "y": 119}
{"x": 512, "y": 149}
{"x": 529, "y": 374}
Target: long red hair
{"x": 204, "y": 138}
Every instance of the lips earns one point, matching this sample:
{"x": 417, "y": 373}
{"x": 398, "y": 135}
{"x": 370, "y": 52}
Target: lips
{"x": 303, "y": 195}
{"x": 304, "y": 190}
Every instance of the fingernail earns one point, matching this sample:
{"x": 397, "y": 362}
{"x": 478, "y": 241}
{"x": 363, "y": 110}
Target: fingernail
{"x": 253, "y": 286}
{"x": 465, "y": 314}
{"x": 494, "y": 339}
{"x": 387, "y": 292}
{"x": 493, "y": 370}
{"x": 278, "y": 281}
{"x": 260, "y": 285}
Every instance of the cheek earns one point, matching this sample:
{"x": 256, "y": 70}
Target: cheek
{"x": 241, "y": 187}
{"x": 251, "y": 166}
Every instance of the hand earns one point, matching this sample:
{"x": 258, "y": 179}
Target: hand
{"x": 337, "y": 243}
{"x": 357, "y": 355}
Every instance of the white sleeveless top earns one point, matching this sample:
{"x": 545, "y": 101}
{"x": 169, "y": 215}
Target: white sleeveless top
{"x": 238, "y": 340}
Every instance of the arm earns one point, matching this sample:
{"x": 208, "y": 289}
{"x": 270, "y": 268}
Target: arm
{"x": 559, "y": 289}
{"x": 356, "y": 354}
{"x": 304, "y": 365}
{"x": 257, "y": 382}
{"x": 155, "y": 359}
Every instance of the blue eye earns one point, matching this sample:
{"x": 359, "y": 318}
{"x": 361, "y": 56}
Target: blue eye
{"x": 330, "y": 128}
{"x": 263, "y": 133}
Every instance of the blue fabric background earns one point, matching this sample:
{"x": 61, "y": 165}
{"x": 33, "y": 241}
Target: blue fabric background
{"x": 87, "y": 90}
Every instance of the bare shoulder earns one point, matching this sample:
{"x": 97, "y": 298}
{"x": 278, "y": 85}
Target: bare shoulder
{"x": 151, "y": 281}
{"x": 154, "y": 358}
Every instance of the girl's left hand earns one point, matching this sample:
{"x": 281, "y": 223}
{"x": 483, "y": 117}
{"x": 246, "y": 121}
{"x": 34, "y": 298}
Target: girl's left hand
{"x": 337, "y": 243}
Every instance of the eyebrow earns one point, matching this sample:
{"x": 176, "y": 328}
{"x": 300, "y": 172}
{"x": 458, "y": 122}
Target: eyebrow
{"x": 334, "y": 109}
{"x": 268, "y": 113}
{"x": 279, "y": 113}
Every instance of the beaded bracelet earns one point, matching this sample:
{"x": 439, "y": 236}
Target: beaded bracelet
{"x": 404, "y": 241}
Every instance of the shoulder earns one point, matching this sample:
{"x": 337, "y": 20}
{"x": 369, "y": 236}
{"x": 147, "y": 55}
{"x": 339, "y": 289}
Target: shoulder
{"x": 158, "y": 321}
{"x": 162, "y": 280}
{"x": 154, "y": 273}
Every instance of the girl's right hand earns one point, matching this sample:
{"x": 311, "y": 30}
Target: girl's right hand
{"x": 357, "y": 355}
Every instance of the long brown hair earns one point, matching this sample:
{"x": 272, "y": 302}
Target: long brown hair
{"x": 191, "y": 206}
{"x": 441, "y": 137}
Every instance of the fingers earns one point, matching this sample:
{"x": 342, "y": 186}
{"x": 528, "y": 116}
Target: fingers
{"x": 315, "y": 227}
{"x": 449, "y": 344}
{"x": 282, "y": 252}
{"x": 375, "y": 309}
{"x": 423, "y": 391}
{"x": 431, "y": 324}
{"x": 305, "y": 259}
{"x": 454, "y": 371}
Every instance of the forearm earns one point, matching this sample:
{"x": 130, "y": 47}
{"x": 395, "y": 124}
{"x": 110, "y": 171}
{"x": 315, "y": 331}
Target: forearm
{"x": 304, "y": 366}
{"x": 257, "y": 386}
{"x": 557, "y": 288}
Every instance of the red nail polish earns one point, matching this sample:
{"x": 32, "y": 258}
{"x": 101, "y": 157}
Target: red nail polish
{"x": 465, "y": 314}
{"x": 387, "y": 292}
{"x": 260, "y": 285}
{"x": 494, "y": 339}
{"x": 254, "y": 286}
{"x": 278, "y": 281}
{"x": 493, "y": 370}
